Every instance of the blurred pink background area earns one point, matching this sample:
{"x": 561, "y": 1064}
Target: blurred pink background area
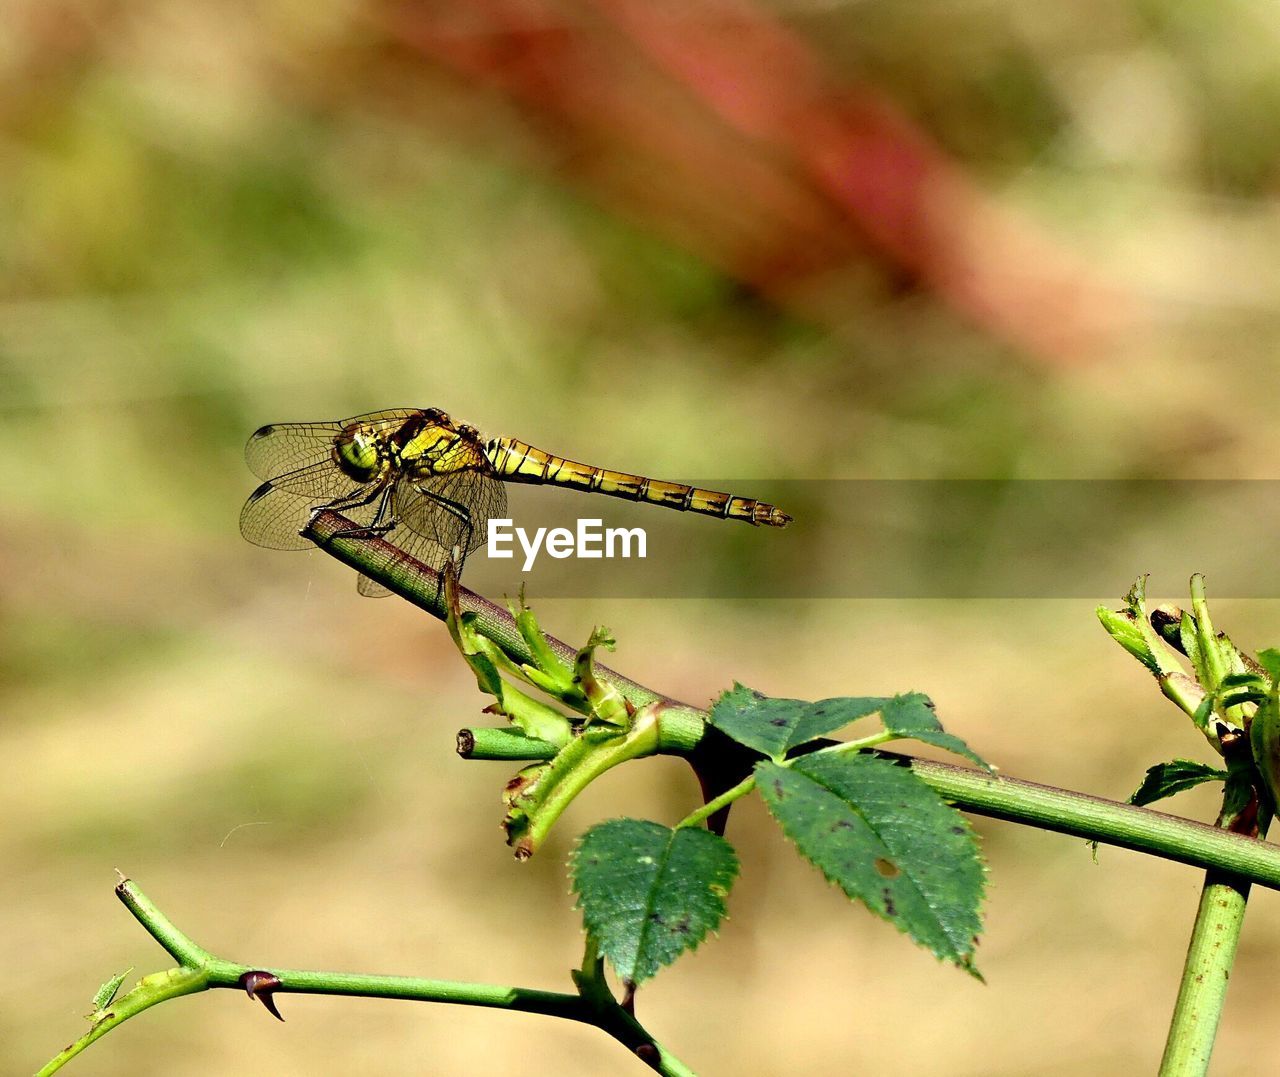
{"x": 807, "y": 239}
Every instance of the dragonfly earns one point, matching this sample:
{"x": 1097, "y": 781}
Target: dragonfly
{"x": 435, "y": 481}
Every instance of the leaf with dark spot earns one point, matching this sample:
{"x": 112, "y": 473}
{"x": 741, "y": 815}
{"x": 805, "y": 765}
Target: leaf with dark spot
{"x": 774, "y": 727}
{"x": 912, "y": 717}
{"x": 904, "y": 853}
{"x": 649, "y": 893}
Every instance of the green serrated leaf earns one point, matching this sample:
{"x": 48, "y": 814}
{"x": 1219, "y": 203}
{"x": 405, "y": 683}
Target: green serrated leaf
{"x": 911, "y": 717}
{"x": 1236, "y": 699}
{"x": 1203, "y": 712}
{"x": 774, "y": 726}
{"x": 1136, "y": 597}
{"x": 1215, "y": 654}
{"x": 649, "y": 893}
{"x": 601, "y": 637}
{"x": 1240, "y": 680}
{"x": 1264, "y": 741}
{"x": 1237, "y": 661}
{"x": 1191, "y": 647}
{"x": 1123, "y": 628}
{"x": 1269, "y": 660}
{"x": 1177, "y": 776}
{"x": 887, "y": 840}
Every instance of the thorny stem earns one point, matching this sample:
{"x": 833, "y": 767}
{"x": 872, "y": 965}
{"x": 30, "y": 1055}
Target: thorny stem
{"x": 200, "y": 971}
{"x": 1233, "y": 860}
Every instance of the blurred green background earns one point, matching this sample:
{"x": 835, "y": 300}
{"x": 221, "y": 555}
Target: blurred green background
{"x": 550, "y": 221}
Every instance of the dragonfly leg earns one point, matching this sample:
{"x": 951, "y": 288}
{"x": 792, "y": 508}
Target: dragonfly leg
{"x": 374, "y": 529}
{"x": 458, "y": 552}
{"x": 460, "y": 512}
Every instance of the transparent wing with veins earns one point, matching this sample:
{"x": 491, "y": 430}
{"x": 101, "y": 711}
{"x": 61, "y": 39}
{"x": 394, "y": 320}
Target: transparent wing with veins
{"x": 438, "y": 514}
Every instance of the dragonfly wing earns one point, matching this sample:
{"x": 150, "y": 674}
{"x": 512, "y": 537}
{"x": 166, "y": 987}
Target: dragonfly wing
{"x": 444, "y": 511}
{"x": 322, "y": 483}
{"x": 366, "y": 585}
{"x": 391, "y": 417}
{"x": 283, "y": 447}
{"x": 279, "y": 448}
{"x": 273, "y": 517}
{"x": 277, "y": 510}
{"x": 371, "y": 588}
{"x": 417, "y": 544}
{"x": 488, "y": 502}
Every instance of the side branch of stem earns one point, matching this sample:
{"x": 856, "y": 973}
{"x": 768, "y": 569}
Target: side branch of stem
{"x": 200, "y": 971}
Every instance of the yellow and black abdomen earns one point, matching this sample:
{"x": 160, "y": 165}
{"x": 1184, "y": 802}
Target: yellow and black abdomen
{"x": 516, "y": 461}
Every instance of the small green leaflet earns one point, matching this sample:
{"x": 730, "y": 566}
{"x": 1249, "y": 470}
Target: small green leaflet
{"x": 106, "y": 994}
{"x": 911, "y": 717}
{"x": 1264, "y": 741}
{"x": 1125, "y": 630}
{"x": 887, "y": 840}
{"x": 1177, "y": 776}
{"x": 774, "y": 726}
{"x": 1269, "y": 659}
{"x": 649, "y": 893}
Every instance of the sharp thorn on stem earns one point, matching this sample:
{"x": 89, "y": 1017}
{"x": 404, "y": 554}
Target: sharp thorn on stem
{"x": 262, "y": 986}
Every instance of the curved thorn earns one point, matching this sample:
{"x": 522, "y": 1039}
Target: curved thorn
{"x": 262, "y": 985}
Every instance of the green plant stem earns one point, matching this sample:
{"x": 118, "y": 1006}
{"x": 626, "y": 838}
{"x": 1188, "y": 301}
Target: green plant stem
{"x": 716, "y": 803}
{"x": 1233, "y": 860}
{"x": 1215, "y": 935}
{"x": 1203, "y": 990}
{"x": 200, "y": 971}
{"x": 1046, "y": 807}
{"x": 680, "y": 726}
{"x": 749, "y": 782}
{"x": 150, "y": 991}
{"x": 1106, "y": 821}
{"x": 424, "y": 587}
{"x": 504, "y": 743}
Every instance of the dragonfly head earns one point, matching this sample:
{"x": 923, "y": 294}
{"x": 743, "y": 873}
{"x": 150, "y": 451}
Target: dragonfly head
{"x": 358, "y": 452}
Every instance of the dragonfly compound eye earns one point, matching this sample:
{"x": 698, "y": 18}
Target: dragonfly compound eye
{"x": 358, "y": 455}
